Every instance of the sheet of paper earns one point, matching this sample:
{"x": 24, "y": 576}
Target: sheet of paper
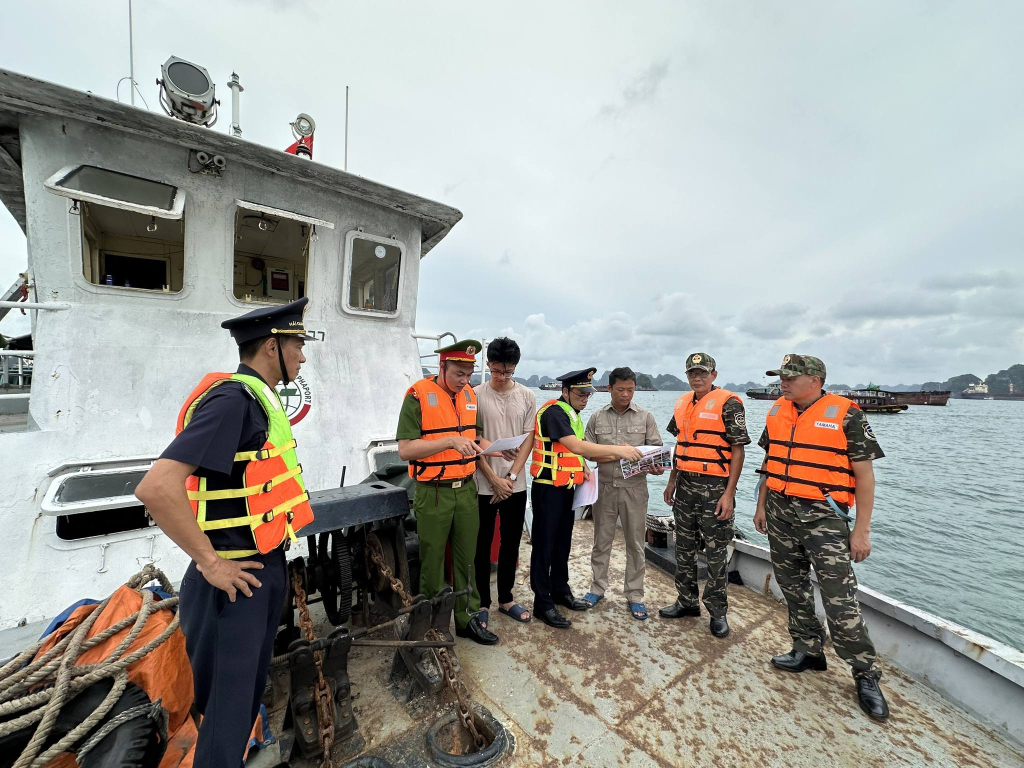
{"x": 586, "y": 493}
{"x": 653, "y": 455}
{"x": 506, "y": 443}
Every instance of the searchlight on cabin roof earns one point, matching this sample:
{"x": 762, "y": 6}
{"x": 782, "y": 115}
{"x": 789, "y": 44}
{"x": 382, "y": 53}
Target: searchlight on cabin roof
{"x": 187, "y": 92}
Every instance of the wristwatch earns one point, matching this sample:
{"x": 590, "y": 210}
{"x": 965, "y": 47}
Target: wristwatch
{"x": 511, "y": 476}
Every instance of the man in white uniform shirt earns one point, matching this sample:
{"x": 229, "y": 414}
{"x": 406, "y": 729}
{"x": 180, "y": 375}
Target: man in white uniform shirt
{"x": 508, "y": 409}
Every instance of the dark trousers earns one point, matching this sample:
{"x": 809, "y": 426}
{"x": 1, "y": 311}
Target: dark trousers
{"x": 512, "y": 511}
{"x": 552, "y": 539}
{"x": 229, "y": 647}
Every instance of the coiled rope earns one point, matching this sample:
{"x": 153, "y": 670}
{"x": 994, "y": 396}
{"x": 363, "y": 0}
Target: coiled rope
{"x": 61, "y": 677}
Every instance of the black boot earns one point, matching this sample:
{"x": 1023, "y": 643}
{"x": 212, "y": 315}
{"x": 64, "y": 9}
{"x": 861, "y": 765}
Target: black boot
{"x": 553, "y": 618}
{"x": 570, "y": 602}
{"x": 719, "y": 627}
{"x": 478, "y": 632}
{"x": 871, "y": 699}
{"x": 676, "y": 611}
{"x": 798, "y": 661}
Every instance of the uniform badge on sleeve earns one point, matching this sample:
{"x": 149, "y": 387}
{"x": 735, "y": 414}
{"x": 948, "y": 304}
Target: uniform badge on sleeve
{"x": 868, "y": 433}
{"x": 741, "y": 420}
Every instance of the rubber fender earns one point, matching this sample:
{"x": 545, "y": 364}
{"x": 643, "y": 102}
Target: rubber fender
{"x": 489, "y": 755}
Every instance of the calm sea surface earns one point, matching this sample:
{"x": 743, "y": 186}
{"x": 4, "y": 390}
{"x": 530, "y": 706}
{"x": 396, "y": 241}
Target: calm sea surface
{"x": 947, "y": 533}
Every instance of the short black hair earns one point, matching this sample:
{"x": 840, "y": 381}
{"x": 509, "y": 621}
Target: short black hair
{"x": 621, "y": 374}
{"x": 247, "y": 350}
{"x": 503, "y": 350}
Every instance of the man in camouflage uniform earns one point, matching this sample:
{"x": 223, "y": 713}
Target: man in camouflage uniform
{"x": 805, "y": 533}
{"x": 703, "y": 495}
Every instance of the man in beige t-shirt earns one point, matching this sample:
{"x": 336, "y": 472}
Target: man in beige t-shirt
{"x": 508, "y": 409}
{"x": 621, "y": 422}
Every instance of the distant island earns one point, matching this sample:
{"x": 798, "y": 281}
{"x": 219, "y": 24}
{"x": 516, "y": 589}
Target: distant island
{"x": 1009, "y": 380}
{"x": 1004, "y": 382}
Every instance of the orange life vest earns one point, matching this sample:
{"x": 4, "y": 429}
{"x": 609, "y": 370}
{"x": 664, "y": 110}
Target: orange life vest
{"x": 701, "y": 445}
{"x": 807, "y": 452}
{"x": 565, "y": 467}
{"x": 273, "y": 491}
{"x": 442, "y": 417}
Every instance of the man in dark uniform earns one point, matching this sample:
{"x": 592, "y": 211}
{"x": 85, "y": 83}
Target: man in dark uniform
{"x": 559, "y": 426}
{"x": 805, "y": 532}
{"x": 229, "y": 637}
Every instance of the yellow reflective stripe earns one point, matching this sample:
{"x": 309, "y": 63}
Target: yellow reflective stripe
{"x": 264, "y": 453}
{"x": 231, "y": 554}
{"x": 252, "y": 490}
{"x": 230, "y": 522}
{"x": 201, "y": 507}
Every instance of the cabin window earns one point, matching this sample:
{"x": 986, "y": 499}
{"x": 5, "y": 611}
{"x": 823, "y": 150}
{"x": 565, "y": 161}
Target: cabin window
{"x": 271, "y": 253}
{"x": 373, "y": 280}
{"x": 125, "y": 249}
{"x": 87, "y": 183}
{"x": 96, "y": 501}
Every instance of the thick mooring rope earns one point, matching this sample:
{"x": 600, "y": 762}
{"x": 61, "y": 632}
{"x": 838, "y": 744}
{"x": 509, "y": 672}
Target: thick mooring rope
{"x": 61, "y": 677}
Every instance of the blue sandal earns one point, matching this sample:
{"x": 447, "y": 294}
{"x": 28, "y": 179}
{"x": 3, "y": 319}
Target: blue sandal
{"x": 591, "y": 599}
{"x": 639, "y": 611}
{"x": 516, "y": 612}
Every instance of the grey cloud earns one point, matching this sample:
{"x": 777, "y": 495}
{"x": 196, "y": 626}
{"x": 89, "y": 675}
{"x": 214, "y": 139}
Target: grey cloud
{"x": 969, "y": 280}
{"x": 772, "y": 321}
{"x": 895, "y": 307}
{"x": 642, "y": 90}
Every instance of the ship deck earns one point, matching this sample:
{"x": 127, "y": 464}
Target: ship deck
{"x": 612, "y": 691}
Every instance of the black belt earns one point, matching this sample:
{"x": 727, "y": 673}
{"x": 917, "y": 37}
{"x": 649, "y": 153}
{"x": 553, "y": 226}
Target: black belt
{"x": 446, "y": 483}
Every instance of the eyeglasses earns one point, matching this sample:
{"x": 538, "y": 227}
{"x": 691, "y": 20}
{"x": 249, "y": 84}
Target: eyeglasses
{"x": 584, "y": 395}
{"x": 502, "y": 372}
{"x": 697, "y": 373}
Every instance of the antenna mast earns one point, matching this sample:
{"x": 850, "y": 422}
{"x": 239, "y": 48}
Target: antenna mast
{"x": 131, "y": 53}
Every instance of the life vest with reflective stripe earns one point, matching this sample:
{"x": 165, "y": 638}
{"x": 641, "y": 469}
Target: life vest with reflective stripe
{"x": 701, "y": 445}
{"x": 807, "y": 452}
{"x": 566, "y": 467}
{"x": 273, "y": 490}
{"x": 442, "y": 417}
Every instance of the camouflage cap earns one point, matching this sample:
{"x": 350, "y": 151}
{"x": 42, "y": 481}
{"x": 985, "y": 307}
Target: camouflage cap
{"x": 799, "y": 365}
{"x": 701, "y": 360}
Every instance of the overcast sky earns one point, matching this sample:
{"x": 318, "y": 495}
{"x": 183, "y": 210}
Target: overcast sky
{"x": 642, "y": 180}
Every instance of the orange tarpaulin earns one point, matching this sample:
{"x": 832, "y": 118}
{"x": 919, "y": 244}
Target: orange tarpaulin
{"x": 164, "y": 673}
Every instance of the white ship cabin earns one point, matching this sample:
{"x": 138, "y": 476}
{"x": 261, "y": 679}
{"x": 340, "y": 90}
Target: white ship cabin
{"x": 144, "y": 233}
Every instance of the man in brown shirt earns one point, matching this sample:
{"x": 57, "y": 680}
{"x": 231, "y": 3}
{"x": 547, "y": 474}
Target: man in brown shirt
{"x": 621, "y": 422}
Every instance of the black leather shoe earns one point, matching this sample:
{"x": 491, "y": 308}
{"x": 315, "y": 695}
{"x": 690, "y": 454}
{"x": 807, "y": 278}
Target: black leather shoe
{"x": 676, "y": 611}
{"x": 553, "y": 618}
{"x": 570, "y": 602}
{"x": 476, "y": 631}
{"x": 871, "y": 699}
{"x": 719, "y": 627}
{"x": 798, "y": 661}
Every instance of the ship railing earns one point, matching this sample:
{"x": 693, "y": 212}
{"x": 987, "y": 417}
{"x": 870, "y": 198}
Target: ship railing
{"x": 429, "y": 361}
{"x": 15, "y": 373}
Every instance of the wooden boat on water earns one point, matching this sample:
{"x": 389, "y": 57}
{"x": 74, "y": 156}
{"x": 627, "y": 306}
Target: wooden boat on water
{"x": 875, "y": 400}
{"x": 924, "y": 397}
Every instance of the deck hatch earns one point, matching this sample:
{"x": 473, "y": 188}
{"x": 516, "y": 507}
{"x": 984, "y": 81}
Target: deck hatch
{"x": 118, "y": 190}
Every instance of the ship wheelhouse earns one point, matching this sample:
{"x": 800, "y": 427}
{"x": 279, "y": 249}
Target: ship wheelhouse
{"x": 143, "y": 234}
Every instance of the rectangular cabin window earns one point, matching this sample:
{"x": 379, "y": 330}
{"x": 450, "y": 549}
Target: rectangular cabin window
{"x": 125, "y": 249}
{"x": 373, "y": 279}
{"x": 271, "y": 253}
{"x": 87, "y": 183}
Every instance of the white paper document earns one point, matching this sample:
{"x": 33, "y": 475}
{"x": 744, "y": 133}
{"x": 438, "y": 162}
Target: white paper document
{"x": 507, "y": 443}
{"x": 653, "y": 456}
{"x": 586, "y": 493}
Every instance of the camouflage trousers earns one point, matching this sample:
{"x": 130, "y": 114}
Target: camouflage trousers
{"x": 824, "y": 543}
{"x": 694, "y": 511}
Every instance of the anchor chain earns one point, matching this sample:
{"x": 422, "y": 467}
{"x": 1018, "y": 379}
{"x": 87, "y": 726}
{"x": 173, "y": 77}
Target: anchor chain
{"x": 442, "y": 655}
{"x": 324, "y": 700}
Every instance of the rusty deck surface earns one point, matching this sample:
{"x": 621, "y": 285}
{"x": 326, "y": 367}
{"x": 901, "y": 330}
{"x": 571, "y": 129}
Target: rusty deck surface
{"x": 612, "y": 691}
